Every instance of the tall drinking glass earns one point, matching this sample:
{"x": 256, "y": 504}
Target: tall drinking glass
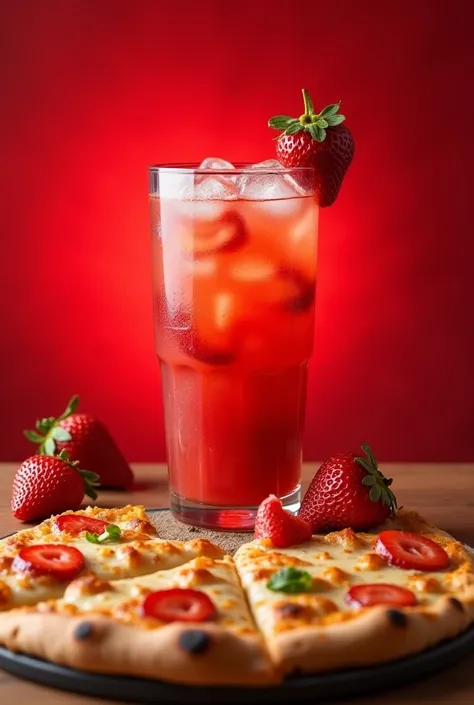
{"x": 234, "y": 268}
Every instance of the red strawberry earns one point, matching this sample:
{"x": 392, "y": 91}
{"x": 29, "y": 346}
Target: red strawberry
{"x": 318, "y": 140}
{"x": 284, "y": 530}
{"x": 348, "y": 491}
{"x": 85, "y": 439}
{"x": 46, "y": 485}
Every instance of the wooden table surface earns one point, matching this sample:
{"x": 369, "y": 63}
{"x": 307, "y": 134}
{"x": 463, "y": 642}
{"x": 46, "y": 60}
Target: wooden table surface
{"x": 443, "y": 493}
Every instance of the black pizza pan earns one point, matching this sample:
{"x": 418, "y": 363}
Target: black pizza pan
{"x": 302, "y": 689}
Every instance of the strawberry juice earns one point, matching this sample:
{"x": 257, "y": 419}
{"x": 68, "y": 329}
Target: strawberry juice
{"x": 234, "y": 266}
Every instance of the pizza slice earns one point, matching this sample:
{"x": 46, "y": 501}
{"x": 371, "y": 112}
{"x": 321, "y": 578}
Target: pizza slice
{"x": 37, "y": 564}
{"x": 350, "y": 599}
{"x": 189, "y": 624}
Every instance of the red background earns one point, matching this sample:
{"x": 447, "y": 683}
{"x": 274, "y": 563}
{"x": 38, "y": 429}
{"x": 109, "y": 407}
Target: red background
{"x": 94, "y": 91}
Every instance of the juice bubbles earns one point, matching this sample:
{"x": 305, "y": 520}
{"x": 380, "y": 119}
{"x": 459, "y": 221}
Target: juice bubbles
{"x": 234, "y": 283}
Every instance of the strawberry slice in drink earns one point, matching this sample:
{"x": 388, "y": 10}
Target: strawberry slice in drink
{"x": 226, "y": 232}
{"x": 379, "y": 594}
{"x": 300, "y": 291}
{"x": 60, "y": 562}
{"x": 411, "y": 551}
{"x": 75, "y": 523}
{"x": 179, "y": 605}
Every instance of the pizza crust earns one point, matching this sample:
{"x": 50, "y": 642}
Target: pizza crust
{"x": 98, "y": 644}
{"x": 377, "y": 636}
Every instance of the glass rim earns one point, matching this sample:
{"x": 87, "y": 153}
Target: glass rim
{"x": 239, "y": 168}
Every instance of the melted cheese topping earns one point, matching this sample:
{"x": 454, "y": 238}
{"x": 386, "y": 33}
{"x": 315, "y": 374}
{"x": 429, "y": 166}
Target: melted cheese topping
{"x": 123, "y": 599}
{"x": 135, "y": 554}
{"x": 336, "y": 562}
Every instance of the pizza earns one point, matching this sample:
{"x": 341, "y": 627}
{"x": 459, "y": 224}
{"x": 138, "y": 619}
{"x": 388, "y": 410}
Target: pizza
{"x": 340, "y": 600}
{"x": 108, "y": 544}
{"x": 133, "y": 604}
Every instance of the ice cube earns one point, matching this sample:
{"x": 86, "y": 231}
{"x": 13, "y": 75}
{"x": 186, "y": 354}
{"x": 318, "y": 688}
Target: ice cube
{"x": 268, "y": 186}
{"x": 268, "y": 164}
{"x": 216, "y": 186}
{"x": 215, "y": 163}
{"x": 176, "y": 185}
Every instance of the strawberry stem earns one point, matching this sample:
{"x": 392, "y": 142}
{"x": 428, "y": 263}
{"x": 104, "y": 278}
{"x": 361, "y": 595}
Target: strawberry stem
{"x": 90, "y": 479}
{"x": 379, "y": 485}
{"x": 316, "y": 124}
{"x": 308, "y": 103}
{"x": 48, "y": 432}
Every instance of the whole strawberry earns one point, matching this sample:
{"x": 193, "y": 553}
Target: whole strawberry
{"x": 45, "y": 485}
{"x": 318, "y": 140}
{"x": 348, "y": 491}
{"x": 86, "y": 440}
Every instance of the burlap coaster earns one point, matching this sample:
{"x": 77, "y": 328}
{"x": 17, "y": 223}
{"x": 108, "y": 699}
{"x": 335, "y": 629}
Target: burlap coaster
{"x": 171, "y": 529}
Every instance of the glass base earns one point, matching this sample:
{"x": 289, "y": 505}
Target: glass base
{"x": 207, "y": 516}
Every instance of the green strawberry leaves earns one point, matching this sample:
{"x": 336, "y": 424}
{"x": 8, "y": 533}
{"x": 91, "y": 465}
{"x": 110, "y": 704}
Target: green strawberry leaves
{"x": 379, "y": 485}
{"x": 90, "y": 479}
{"x": 291, "y": 580}
{"x": 316, "y": 124}
{"x": 48, "y": 432}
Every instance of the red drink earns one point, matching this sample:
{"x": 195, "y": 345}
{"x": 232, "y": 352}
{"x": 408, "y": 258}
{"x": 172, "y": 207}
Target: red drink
{"x": 234, "y": 311}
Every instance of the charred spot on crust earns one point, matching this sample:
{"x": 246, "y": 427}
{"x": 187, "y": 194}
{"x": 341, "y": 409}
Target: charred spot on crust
{"x": 83, "y": 630}
{"x": 194, "y": 641}
{"x": 397, "y": 618}
{"x": 289, "y": 610}
{"x": 456, "y": 604}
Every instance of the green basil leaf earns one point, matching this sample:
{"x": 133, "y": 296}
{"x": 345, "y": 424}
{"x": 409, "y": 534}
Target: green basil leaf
{"x": 92, "y": 538}
{"x": 113, "y": 532}
{"x": 291, "y": 580}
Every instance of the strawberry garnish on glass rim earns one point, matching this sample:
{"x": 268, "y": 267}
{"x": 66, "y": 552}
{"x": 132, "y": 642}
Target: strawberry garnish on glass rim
{"x": 317, "y": 140}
